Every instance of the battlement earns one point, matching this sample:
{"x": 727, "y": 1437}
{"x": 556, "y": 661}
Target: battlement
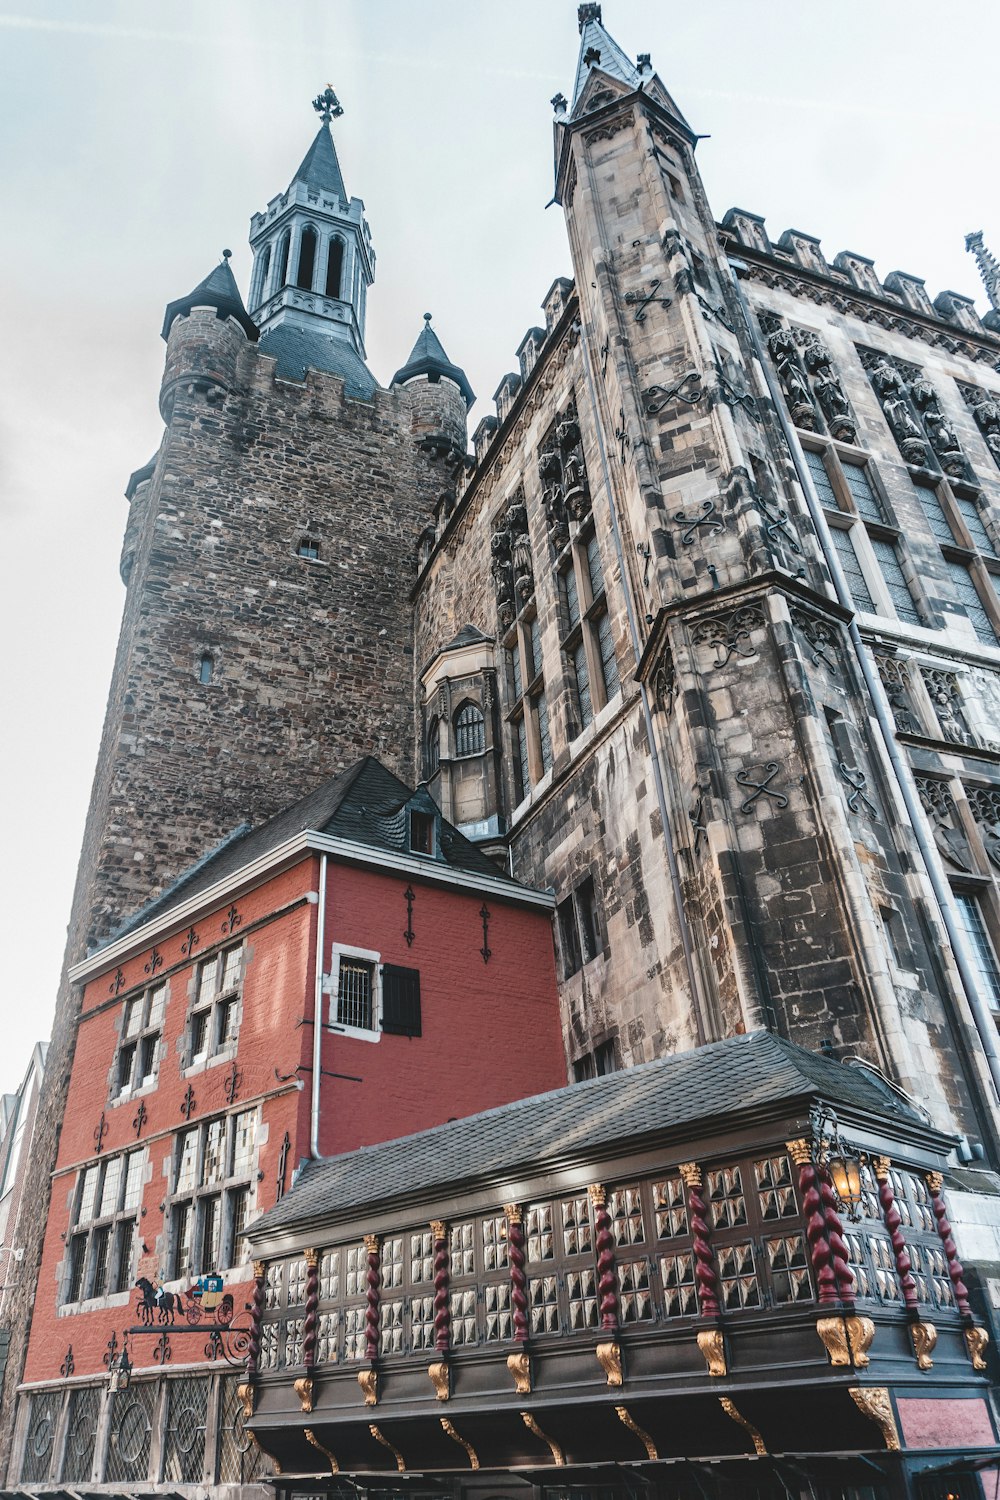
{"x": 801, "y": 252}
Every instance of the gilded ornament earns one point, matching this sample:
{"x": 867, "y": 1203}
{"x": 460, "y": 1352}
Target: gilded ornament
{"x": 874, "y": 1401}
{"x": 244, "y": 1394}
{"x": 860, "y": 1333}
{"x": 800, "y": 1151}
{"x": 924, "y": 1336}
{"x": 976, "y": 1340}
{"x": 625, "y": 1416}
{"x": 275, "y": 1465}
{"x": 371, "y": 1244}
{"x": 303, "y": 1388}
{"x": 440, "y": 1379}
{"x": 314, "y": 1441}
{"x": 519, "y": 1366}
{"x": 760, "y": 1448}
{"x": 833, "y": 1332}
{"x": 713, "y": 1349}
{"x": 558, "y": 1456}
{"x": 473, "y": 1455}
{"x": 258, "y": 1269}
{"x": 609, "y": 1357}
{"x": 312, "y": 1260}
{"x": 691, "y": 1172}
{"x": 880, "y": 1166}
{"x": 439, "y": 1229}
{"x": 368, "y": 1381}
{"x": 513, "y": 1212}
{"x": 598, "y": 1194}
{"x": 935, "y": 1181}
{"x": 380, "y": 1437}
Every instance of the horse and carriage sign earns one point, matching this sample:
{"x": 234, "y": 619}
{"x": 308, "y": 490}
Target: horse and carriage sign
{"x": 203, "y": 1308}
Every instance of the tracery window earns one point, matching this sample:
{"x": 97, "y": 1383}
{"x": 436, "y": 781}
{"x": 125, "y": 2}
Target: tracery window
{"x": 587, "y": 640}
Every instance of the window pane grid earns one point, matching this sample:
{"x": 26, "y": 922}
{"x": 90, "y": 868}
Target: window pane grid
{"x": 967, "y": 597}
{"x": 934, "y": 511}
{"x": 887, "y": 557}
{"x": 354, "y": 994}
{"x": 857, "y": 584}
{"x": 985, "y": 958}
{"x": 863, "y": 494}
{"x": 821, "y": 480}
{"x": 970, "y": 514}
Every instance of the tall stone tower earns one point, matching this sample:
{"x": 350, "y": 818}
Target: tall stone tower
{"x": 268, "y": 558}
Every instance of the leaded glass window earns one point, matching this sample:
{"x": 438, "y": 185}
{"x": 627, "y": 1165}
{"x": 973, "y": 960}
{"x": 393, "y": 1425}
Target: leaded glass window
{"x": 43, "y": 1414}
{"x": 184, "y": 1439}
{"x": 127, "y": 1457}
{"x": 81, "y": 1434}
{"x": 857, "y": 584}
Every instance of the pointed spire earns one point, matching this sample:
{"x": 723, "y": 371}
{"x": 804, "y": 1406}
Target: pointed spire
{"x": 427, "y": 357}
{"x": 320, "y": 168}
{"x": 989, "y": 267}
{"x": 218, "y": 290}
{"x": 599, "y": 50}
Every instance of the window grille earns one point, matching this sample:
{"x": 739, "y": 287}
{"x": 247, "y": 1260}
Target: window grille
{"x": 822, "y": 482}
{"x": 606, "y": 651}
{"x": 677, "y": 1279}
{"x": 43, "y": 1415}
{"x": 81, "y": 1434}
{"x": 522, "y": 773}
{"x": 581, "y": 677}
{"x": 775, "y": 1192}
{"x": 240, "y": 1459}
{"x": 670, "y": 1208}
{"x": 187, "y": 1413}
{"x": 738, "y": 1284}
{"x": 433, "y": 746}
{"x": 355, "y": 987}
{"x": 391, "y": 1326}
{"x": 470, "y": 731}
{"x": 127, "y": 1457}
{"x": 581, "y": 1298}
{"x": 625, "y": 1210}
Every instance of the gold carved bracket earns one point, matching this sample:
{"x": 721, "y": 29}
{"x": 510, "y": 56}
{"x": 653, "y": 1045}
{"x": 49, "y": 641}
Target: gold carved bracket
{"x": 924, "y": 1336}
{"x": 380, "y": 1437}
{"x": 609, "y": 1357}
{"x": 312, "y": 1439}
{"x": 874, "y": 1401}
{"x": 976, "y": 1340}
{"x": 519, "y": 1365}
{"x": 558, "y": 1456}
{"x": 759, "y": 1446}
{"x": 368, "y": 1381}
{"x": 846, "y": 1339}
{"x": 626, "y": 1418}
{"x": 303, "y": 1388}
{"x": 713, "y": 1349}
{"x": 244, "y": 1394}
{"x": 457, "y": 1437}
{"x": 440, "y": 1379}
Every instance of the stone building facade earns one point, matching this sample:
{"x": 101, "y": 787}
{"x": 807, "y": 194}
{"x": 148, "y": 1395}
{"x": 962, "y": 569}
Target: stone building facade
{"x": 737, "y": 506}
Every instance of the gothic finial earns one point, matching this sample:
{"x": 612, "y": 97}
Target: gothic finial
{"x": 427, "y": 317}
{"x": 227, "y": 255}
{"x": 585, "y": 13}
{"x": 327, "y": 105}
{"x": 558, "y": 102}
{"x": 989, "y": 267}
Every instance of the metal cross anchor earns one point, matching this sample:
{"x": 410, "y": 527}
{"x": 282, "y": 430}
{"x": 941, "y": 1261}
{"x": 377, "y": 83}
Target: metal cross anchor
{"x": 733, "y": 398}
{"x": 759, "y": 787}
{"x": 707, "y": 519}
{"x": 688, "y": 389}
{"x": 624, "y": 441}
{"x": 637, "y": 299}
{"x": 857, "y": 781}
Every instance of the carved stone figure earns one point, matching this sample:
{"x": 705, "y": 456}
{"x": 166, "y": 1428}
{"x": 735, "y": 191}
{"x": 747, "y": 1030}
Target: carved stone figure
{"x": 940, "y": 809}
{"x": 944, "y": 695}
{"x": 520, "y": 551}
{"x": 784, "y": 352}
{"x": 905, "y": 430}
{"x": 503, "y": 577}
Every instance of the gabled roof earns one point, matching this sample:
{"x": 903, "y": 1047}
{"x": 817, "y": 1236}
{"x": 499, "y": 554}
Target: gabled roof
{"x": 686, "y": 1094}
{"x": 366, "y": 805}
{"x": 427, "y": 357}
{"x": 320, "y": 167}
{"x": 218, "y": 290}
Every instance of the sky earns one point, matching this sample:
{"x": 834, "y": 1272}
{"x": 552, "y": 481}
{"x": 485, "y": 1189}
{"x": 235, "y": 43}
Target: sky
{"x": 138, "y": 136}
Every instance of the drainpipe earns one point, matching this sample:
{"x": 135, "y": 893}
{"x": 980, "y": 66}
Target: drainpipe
{"x": 314, "y": 1150}
{"x": 981, "y": 1015}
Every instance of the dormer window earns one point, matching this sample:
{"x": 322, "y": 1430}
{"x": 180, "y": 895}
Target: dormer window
{"x": 421, "y": 832}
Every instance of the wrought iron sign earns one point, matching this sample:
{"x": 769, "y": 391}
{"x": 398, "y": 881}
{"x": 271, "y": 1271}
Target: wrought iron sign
{"x": 203, "y": 1311}
{"x": 409, "y": 897}
{"x": 485, "y": 950}
{"x": 641, "y": 300}
{"x": 761, "y": 788}
{"x": 688, "y": 390}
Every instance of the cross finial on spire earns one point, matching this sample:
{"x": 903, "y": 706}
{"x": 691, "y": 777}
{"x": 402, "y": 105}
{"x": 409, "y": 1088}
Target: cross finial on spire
{"x": 989, "y": 268}
{"x": 327, "y": 105}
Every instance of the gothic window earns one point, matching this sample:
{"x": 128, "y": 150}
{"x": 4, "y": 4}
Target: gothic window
{"x": 206, "y": 667}
{"x": 956, "y": 521}
{"x": 965, "y": 596}
{"x": 470, "y": 730}
{"x": 601, "y": 1060}
{"x": 433, "y": 746}
{"x": 139, "y": 1046}
{"x": 587, "y": 639}
{"x": 263, "y": 267}
{"x": 334, "y": 267}
{"x": 101, "y": 1243}
{"x": 307, "y": 259}
{"x": 864, "y": 534}
{"x": 211, "y": 1194}
{"x": 283, "y": 249}
{"x": 42, "y": 1418}
{"x": 214, "y": 1018}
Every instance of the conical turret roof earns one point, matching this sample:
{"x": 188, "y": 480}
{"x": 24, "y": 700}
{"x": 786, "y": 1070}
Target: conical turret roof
{"x": 427, "y": 357}
{"x": 320, "y": 168}
{"x": 218, "y": 290}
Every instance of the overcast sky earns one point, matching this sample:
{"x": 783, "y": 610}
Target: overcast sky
{"x": 137, "y": 137}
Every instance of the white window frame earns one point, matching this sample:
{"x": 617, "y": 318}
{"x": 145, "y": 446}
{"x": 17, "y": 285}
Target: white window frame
{"x": 332, "y": 988}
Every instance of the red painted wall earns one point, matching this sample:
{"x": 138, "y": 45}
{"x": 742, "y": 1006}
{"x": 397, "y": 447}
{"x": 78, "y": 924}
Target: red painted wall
{"x": 490, "y": 1034}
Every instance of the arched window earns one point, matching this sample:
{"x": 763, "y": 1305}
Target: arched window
{"x": 283, "y": 260}
{"x": 206, "y": 667}
{"x": 264, "y": 265}
{"x": 334, "y": 267}
{"x": 470, "y": 731}
{"x": 307, "y": 259}
{"x": 433, "y": 746}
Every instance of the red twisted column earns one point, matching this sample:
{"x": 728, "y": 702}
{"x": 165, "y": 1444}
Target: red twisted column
{"x": 709, "y": 1339}
{"x": 518, "y": 1280}
{"x": 956, "y": 1271}
{"x": 812, "y": 1211}
{"x": 442, "y": 1304}
{"x": 604, "y": 1243}
{"x": 842, "y": 1274}
{"x": 892, "y": 1219}
{"x": 310, "y": 1325}
{"x": 374, "y": 1280}
{"x": 256, "y": 1314}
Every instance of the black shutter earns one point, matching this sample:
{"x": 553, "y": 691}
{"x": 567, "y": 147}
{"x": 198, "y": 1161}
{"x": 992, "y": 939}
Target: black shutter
{"x": 400, "y": 1000}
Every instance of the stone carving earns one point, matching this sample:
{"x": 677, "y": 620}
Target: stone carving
{"x": 511, "y": 566}
{"x": 985, "y": 408}
{"x": 984, "y": 803}
{"x": 939, "y": 806}
{"x": 565, "y": 487}
{"x": 913, "y": 412}
{"x": 945, "y": 694}
{"x": 943, "y": 437}
{"x": 821, "y": 637}
{"x": 893, "y": 392}
{"x": 827, "y": 388}
{"x": 785, "y": 354}
{"x": 729, "y": 634}
{"x": 502, "y": 571}
{"x": 664, "y": 683}
{"x": 896, "y": 681}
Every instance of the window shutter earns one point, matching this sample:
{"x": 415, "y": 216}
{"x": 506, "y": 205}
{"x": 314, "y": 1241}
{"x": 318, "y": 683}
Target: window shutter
{"x": 400, "y": 1000}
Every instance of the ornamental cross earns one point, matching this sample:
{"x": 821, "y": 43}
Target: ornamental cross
{"x": 327, "y": 105}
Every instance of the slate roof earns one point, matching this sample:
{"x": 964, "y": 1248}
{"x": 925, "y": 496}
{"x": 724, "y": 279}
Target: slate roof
{"x": 427, "y": 357}
{"x": 700, "y": 1089}
{"x": 320, "y": 167}
{"x": 218, "y": 290}
{"x": 299, "y": 349}
{"x": 613, "y": 59}
{"x": 366, "y": 804}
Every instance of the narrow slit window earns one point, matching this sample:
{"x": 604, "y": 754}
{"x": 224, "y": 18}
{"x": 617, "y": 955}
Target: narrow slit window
{"x": 206, "y": 667}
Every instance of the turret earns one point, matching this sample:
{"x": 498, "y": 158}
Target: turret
{"x": 442, "y": 394}
{"x": 313, "y": 265}
{"x": 204, "y": 333}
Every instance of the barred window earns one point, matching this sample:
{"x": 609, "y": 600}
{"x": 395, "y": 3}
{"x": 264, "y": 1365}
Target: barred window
{"x": 356, "y": 993}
